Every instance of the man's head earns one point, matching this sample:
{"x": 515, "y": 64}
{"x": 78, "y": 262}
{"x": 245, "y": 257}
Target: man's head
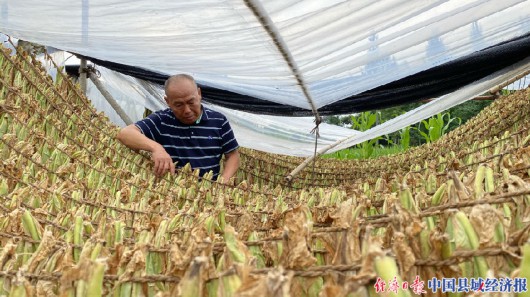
{"x": 183, "y": 97}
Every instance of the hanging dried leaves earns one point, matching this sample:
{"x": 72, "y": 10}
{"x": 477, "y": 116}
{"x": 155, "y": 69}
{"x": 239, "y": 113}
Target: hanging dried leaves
{"x": 79, "y": 208}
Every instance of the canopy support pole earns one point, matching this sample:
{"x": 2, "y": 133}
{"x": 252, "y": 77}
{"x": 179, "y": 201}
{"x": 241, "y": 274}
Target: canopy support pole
{"x": 497, "y": 88}
{"x": 306, "y": 162}
{"x": 109, "y": 98}
{"x": 83, "y": 75}
{"x": 269, "y": 26}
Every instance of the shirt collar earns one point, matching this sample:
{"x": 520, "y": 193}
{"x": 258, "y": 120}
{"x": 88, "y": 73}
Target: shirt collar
{"x": 204, "y": 115}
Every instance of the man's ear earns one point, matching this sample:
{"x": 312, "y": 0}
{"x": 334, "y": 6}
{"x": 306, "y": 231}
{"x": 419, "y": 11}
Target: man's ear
{"x": 165, "y": 98}
{"x": 199, "y": 92}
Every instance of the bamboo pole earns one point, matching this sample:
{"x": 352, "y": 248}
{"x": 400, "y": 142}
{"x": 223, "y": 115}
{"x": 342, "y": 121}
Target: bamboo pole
{"x": 269, "y": 26}
{"x": 110, "y": 99}
{"x": 498, "y": 87}
{"x": 83, "y": 75}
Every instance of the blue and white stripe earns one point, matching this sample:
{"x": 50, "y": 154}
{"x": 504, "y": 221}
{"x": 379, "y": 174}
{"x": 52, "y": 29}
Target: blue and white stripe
{"x": 200, "y": 144}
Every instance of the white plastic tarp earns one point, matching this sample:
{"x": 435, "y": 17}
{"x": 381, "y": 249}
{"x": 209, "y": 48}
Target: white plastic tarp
{"x": 341, "y": 47}
{"x": 274, "y": 134}
{"x": 285, "y": 135}
{"x": 432, "y": 108}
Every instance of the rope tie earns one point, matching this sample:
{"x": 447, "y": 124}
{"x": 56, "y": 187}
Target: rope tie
{"x": 318, "y": 121}
{"x": 315, "y": 131}
{"x": 90, "y": 69}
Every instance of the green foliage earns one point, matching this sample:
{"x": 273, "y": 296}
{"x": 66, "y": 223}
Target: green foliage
{"x": 363, "y": 122}
{"x": 436, "y": 126}
{"x": 405, "y": 138}
{"x": 412, "y": 135}
{"x": 427, "y": 131}
{"x": 505, "y": 92}
{"x": 392, "y": 112}
{"x": 344, "y": 121}
{"x": 466, "y": 111}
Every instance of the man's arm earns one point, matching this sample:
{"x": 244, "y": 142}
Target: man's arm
{"x": 230, "y": 166}
{"x": 131, "y": 137}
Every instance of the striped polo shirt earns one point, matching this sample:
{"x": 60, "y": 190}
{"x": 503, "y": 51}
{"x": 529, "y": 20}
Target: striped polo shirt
{"x": 201, "y": 144}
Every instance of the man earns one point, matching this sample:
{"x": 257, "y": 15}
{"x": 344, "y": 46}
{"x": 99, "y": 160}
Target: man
{"x": 186, "y": 132}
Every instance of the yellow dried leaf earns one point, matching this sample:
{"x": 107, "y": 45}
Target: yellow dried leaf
{"x": 296, "y": 253}
{"x": 484, "y": 218}
{"x": 45, "y": 289}
{"x": 404, "y": 254}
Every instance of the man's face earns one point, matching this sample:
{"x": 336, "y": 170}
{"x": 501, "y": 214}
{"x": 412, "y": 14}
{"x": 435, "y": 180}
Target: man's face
{"x": 184, "y": 99}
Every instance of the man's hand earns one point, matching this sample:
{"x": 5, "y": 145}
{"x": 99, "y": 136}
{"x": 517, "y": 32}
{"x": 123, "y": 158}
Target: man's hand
{"x": 230, "y": 167}
{"x": 163, "y": 161}
{"x": 133, "y": 138}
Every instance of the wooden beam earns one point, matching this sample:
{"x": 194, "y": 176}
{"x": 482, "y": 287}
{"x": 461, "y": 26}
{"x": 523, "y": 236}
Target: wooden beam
{"x": 83, "y": 75}
{"x": 110, "y": 99}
